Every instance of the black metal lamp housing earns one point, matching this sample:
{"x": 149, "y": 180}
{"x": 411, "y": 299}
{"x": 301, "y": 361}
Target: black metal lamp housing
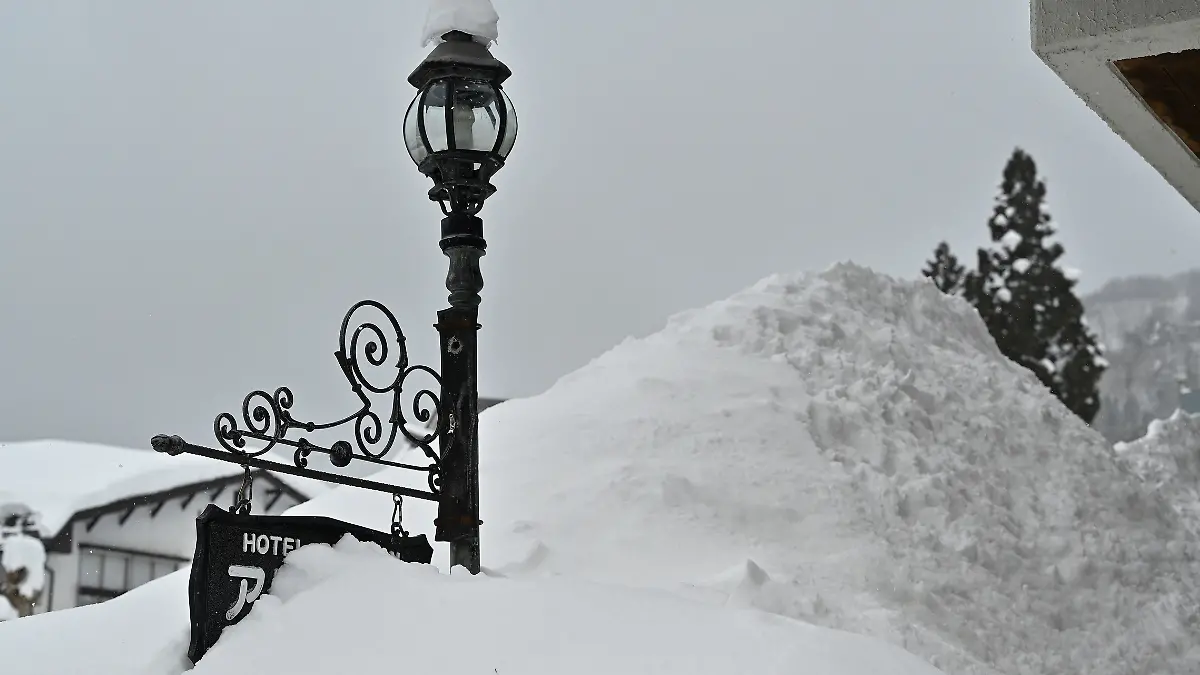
{"x": 461, "y": 126}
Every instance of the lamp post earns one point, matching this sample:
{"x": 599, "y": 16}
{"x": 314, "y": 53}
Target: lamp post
{"x": 459, "y": 130}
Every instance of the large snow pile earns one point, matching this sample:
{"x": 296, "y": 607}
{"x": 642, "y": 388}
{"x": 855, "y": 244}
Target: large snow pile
{"x": 1168, "y": 459}
{"x": 863, "y": 442}
{"x": 352, "y": 608}
{"x": 842, "y": 448}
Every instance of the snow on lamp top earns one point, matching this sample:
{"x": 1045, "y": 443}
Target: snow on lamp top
{"x": 477, "y": 18}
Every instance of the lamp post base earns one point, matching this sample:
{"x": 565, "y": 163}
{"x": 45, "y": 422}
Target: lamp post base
{"x": 458, "y": 510}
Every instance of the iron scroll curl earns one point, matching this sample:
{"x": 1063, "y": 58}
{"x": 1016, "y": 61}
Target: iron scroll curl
{"x": 374, "y": 360}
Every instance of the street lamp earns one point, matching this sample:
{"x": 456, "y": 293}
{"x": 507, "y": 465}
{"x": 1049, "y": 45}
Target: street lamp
{"x": 459, "y": 130}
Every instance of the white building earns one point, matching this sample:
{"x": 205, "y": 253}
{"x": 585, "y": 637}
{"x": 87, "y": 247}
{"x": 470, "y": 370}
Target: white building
{"x": 112, "y": 519}
{"x": 1136, "y": 63}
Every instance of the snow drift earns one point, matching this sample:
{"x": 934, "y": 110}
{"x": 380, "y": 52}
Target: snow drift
{"x": 841, "y": 448}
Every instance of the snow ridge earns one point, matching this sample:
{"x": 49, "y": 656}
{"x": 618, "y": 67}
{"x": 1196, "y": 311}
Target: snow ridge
{"x": 1168, "y": 459}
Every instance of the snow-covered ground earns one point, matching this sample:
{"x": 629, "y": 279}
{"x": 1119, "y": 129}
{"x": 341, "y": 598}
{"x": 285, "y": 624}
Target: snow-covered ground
{"x": 840, "y": 448}
{"x": 353, "y": 609}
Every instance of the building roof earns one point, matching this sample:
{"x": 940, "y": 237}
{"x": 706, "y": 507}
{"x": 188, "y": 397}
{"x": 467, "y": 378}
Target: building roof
{"x": 1135, "y": 64}
{"x": 59, "y": 479}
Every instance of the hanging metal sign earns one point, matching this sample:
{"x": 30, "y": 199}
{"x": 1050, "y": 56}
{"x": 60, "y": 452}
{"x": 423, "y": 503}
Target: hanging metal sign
{"x": 237, "y": 556}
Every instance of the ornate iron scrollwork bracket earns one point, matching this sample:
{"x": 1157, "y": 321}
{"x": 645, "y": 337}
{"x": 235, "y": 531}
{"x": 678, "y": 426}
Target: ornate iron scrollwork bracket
{"x": 267, "y": 418}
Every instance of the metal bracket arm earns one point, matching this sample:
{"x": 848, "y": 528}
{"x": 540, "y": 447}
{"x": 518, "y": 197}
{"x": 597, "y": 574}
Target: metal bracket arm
{"x": 174, "y": 445}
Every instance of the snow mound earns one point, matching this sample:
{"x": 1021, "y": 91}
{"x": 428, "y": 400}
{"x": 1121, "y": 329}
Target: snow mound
{"x": 352, "y": 608}
{"x": 1168, "y": 459}
{"x": 864, "y": 443}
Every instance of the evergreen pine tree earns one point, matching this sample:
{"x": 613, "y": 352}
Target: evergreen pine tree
{"x": 945, "y": 271}
{"x": 1027, "y": 301}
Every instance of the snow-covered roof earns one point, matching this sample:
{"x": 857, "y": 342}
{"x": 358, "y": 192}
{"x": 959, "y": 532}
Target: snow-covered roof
{"x": 58, "y": 479}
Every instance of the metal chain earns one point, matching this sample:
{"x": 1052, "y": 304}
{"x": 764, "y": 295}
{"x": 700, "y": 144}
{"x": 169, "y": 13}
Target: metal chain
{"x": 244, "y": 495}
{"x": 398, "y": 517}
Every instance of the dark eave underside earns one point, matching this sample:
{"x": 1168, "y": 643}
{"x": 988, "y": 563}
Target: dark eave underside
{"x": 61, "y": 541}
{"x": 1169, "y": 84}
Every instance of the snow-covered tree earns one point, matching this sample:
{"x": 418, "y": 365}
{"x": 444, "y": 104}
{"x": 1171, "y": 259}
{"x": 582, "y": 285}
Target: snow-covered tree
{"x": 22, "y": 563}
{"x": 1028, "y": 301}
{"x": 944, "y": 270}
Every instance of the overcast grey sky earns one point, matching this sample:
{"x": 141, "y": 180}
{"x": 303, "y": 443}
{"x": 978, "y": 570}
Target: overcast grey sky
{"x": 191, "y": 194}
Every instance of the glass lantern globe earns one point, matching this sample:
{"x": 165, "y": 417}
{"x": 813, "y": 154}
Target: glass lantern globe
{"x": 461, "y": 126}
{"x": 463, "y": 119}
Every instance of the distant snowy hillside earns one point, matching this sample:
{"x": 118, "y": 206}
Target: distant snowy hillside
{"x": 842, "y": 448}
{"x": 1151, "y": 326}
{"x": 1122, "y": 305}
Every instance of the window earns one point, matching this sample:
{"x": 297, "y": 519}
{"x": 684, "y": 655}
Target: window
{"x": 112, "y": 576}
{"x": 141, "y": 570}
{"x": 90, "y": 565}
{"x": 105, "y": 573}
